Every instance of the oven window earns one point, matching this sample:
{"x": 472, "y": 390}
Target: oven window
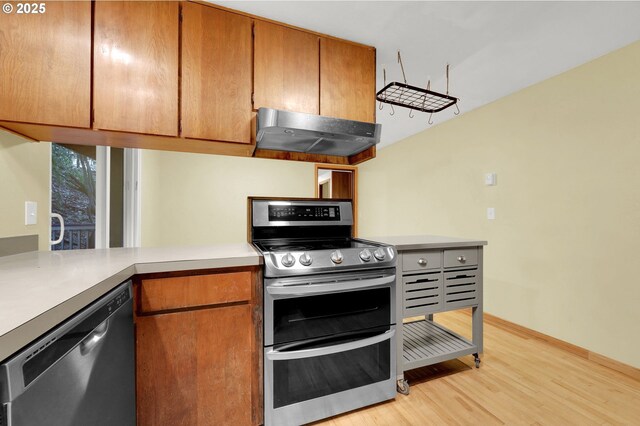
{"x": 302, "y": 318}
{"x": 308, "y": 378}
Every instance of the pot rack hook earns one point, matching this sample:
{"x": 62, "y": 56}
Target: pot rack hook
{"x": 457, "y": 111}
{"x": 447, "y": 79}
{"x": 393, "y": 111}
{"x": 430, "y": 120}
{"x": 411, "y": 113}
{"x": 384, "y": 73}
{"x": 404, "y": 77}
{"x": 424, "y": 97}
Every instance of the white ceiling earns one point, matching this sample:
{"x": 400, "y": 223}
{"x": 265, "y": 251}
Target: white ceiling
{"x": 494, "y": 48}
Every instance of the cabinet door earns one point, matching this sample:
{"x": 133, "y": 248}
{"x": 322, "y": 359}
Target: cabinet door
{"x": 194, "y": 367}
{"x": 347, "y": 80}
{"x": 286, "y": 69}
{"x": 216, "y": 74}
{"x": 45, "y": 64}
{"x": 135, "y": 72}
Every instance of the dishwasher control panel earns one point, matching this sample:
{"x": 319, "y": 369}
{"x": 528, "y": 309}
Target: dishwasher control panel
{"x": 118, "y": 300}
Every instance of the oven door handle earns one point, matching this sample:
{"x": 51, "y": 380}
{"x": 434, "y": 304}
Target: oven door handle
{"x": 293, "y": 290}
{"x": 309, "y": 353}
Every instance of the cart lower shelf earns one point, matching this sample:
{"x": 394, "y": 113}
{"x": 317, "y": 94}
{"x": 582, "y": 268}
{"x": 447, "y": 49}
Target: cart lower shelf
{"x": 426, "y": 342}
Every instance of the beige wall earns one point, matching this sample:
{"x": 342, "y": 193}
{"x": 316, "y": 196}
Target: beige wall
{"x": 190, "y": 199}
{"x": 562, "y": 257}
{"x": 24, "y": 176}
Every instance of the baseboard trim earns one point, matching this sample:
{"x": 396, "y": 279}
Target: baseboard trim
{"x": 511, "y": 327}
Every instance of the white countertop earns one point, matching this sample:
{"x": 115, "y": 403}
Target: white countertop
{"x": 420, "y": 242}
{"x": 39, "y": 290}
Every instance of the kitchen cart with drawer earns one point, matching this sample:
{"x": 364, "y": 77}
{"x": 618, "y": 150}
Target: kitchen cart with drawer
{"x": 435, "y": 274}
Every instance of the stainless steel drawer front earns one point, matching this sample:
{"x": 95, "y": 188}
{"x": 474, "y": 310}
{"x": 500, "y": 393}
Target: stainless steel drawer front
{"x": 460, "y": 257}
{"x": 421, "y": 260}
{"x": 321, "y": 381}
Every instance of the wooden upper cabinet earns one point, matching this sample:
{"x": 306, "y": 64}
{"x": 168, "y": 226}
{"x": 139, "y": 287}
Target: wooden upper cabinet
{"x": 286, "y": 68}
{"x": 45, "y": 65}
{"x": 347, "y": 80}
{"x": 216, "y": 74}
{"x": 136, "y": 66}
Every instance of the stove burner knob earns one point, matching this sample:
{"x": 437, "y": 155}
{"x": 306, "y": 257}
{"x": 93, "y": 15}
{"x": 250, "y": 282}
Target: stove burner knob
{"x": 379, "y": 254}
{"x": 365, "y": 255}
{"x": 305, "y": 259}
{"x": 336, "y": 257}
{"x": 288, "y": 260}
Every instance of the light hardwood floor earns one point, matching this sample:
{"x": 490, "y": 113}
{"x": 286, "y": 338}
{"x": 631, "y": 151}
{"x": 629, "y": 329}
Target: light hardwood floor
{"x": 521, "y": 381}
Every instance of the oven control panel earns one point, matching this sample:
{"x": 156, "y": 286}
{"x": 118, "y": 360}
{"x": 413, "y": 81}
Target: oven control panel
{"x": 304, "y": 213}
{"x": 284, "y": 263}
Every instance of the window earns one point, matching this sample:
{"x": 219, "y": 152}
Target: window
{"x": 94, "y": 197}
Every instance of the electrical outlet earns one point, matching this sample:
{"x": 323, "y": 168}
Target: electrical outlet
{"x": 490, "y": 179}
{"x": 30, "y": 213}
{"x": 491, "y": 213}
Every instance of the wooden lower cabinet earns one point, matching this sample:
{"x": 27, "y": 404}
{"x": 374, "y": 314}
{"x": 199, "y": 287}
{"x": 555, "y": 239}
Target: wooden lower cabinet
{"x": 198, "y": 365}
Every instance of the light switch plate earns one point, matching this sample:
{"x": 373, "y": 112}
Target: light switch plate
{"x": 490, "y": 179}
{"x": 491, "y": 213}
{"x": 30, "y": 213}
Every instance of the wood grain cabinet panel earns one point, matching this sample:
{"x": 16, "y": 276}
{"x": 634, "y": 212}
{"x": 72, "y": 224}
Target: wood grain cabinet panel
{"x": 195, "y": 367}
{"x": 286, "y": 68}
{"x": 216, "y": 74}
{"x": 45, "y": 65}
{"x": 347, "y": 80}
{"x": 198, "y": 290}
{"x": 136, "y": 66}
{"x": 199, "y": 348}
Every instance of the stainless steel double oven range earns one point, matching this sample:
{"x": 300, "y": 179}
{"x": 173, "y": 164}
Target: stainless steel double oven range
{"x": 329, "y": 310}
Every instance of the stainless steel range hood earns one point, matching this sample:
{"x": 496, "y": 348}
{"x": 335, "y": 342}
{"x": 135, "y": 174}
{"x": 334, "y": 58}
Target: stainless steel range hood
{"x": 294, "y": 131}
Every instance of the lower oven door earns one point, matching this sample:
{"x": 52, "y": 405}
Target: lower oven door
{"x": 312, "y": 380}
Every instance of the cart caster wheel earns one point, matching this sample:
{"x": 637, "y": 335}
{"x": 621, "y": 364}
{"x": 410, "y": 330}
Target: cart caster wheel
{"x": 403, "y": 387}
{"x": 477, "y": 359}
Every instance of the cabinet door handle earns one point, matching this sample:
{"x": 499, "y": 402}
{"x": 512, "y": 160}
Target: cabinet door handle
{"x": 461, "y": 259}
{"x": 422, "y": 261}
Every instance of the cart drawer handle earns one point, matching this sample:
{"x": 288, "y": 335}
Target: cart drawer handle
{"x": 422, "y": 261}
{"x": 461, "y": 259}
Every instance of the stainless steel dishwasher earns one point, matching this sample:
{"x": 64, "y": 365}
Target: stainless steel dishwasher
{"x": 80, "y": 373}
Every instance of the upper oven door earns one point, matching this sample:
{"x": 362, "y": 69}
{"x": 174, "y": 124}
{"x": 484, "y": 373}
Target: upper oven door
{"x": 315, "y": 307}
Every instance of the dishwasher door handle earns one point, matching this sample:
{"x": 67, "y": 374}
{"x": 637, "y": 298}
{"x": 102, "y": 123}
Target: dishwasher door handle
{"x": 92, "y": 340}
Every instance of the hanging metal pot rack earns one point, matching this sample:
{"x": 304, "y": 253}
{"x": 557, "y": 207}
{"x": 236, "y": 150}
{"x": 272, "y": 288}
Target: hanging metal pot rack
{"x": 415, "y": 98}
